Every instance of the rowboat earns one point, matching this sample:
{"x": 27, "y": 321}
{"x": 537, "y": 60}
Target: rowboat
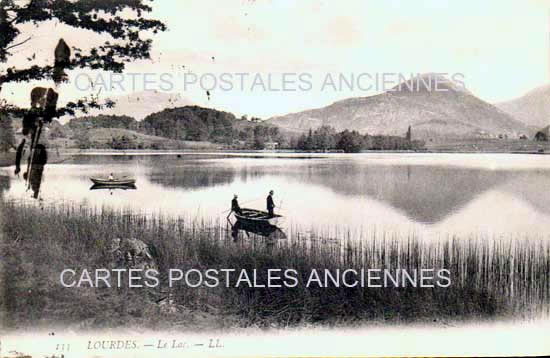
{"x": 101, "y": 181}
{"x": 257, "y": 217}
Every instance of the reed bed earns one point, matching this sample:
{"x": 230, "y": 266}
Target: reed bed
{"x": 491, "y": 278}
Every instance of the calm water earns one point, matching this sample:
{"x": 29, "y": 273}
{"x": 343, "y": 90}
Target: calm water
{"x": 373, "y": 194}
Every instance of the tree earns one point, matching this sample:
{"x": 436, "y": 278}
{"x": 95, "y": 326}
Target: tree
{"x": 56, "y": 130}
{"x": 408, "y": 136}
{"x": 123, "y": 142}
{"x": 259, "y": 143}
{"x": 541, "y": 137}
{"x": 82, "y": 140}
{"x": 7, "y": 137}
{"x": 124, "y": 43}
{"x": 306, "y": 142}
{"x": 324, "y": 138}
{"x": 350, "y": 142}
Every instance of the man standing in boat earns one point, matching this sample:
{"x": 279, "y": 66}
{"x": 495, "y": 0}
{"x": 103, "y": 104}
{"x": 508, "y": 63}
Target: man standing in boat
{"x": 235, "y": 205}
{"x": 270, "y": 204}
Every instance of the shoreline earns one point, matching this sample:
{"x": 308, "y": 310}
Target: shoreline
{"x": 280, "y": 151}
{"x": 7, "y": 159}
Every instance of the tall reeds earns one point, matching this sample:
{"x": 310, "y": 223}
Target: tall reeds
{"x": 490, "y": 277}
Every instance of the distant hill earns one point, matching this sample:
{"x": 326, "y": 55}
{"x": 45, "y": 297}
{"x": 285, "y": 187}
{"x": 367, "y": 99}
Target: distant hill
{"x": 119, "y": 138}
{"x": 532, "y": 109}
{"x": 103, "y": 121}
{"x": 180, "y": 127}
{"x": 450, "y": 112}
{"x": 139, "y": 105}
{"x": 191, "y": 123}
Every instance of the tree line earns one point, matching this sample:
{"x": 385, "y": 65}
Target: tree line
{"x": 326, "y": 138}
{"x": 194, "y": 123}
{"x": 189, "y": 123}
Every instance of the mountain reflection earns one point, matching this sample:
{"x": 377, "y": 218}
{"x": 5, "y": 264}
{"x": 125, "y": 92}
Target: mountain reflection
{"x": 532, "y": 187}
{"x": 425, "y": 194}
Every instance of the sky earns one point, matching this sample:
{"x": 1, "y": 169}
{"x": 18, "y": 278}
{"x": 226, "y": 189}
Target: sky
{"x": 277, "y": 55}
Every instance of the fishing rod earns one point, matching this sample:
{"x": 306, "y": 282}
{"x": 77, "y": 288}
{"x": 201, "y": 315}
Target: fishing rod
{"x": 251, "y": 201}
{"x": 243, "y": 203}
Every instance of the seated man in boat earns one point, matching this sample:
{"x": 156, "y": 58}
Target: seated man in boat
{"x": 235, "y": 205}
{"x": 111, "y": 177}
{"x": 270, "y": 204}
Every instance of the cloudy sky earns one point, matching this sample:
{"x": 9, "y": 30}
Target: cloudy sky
{"x": 501, "y": 47}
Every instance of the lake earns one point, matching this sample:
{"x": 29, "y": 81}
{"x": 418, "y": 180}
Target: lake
{"x": 356, "y": 195}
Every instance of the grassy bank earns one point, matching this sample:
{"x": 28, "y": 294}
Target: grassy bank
{"x": 490, "y": 278}
{"x": 487, "y": 145}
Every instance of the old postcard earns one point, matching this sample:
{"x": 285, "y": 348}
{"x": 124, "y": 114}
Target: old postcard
{"x": 274, "y": 178}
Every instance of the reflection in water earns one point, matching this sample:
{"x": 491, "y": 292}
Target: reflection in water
{"x": 532, "y": 187}
{"x": 426, "y": 195}
{"x": 36, "y": 169}
{"x": 4, "y": 184}
{"x": 193, "y": 177}
{"x": 262, "y": 229}
{"x": 113, "y": 187}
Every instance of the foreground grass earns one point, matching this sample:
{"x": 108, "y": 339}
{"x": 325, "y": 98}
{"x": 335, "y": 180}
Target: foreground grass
{"x": 490, "y": 278}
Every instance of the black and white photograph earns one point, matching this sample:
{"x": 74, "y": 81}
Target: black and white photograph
{"x": 274, "y": 178}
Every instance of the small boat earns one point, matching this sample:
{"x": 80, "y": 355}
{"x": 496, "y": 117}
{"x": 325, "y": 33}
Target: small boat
{"x": 101, "y": 181}
{"x": 257, "y": 217}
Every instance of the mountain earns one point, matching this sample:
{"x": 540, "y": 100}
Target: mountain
{"x": 532, "y": 109}
{"x": 139, "y": 105}
{"x": 434, "y": 106}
